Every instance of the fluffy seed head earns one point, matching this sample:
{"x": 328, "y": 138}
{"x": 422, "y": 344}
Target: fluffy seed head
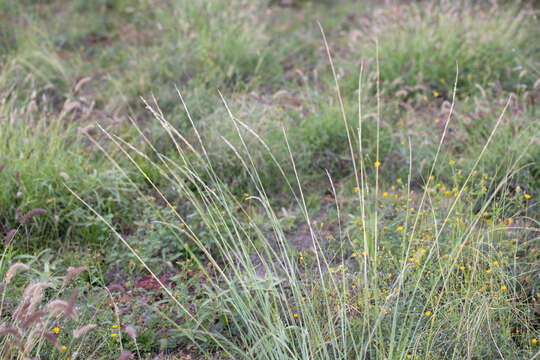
{"x": 57, "y": 306}
{"x": 32, "y": 319}
{"x": 52, "y": 339}
{"x": 72, "y": 272}
{"x": 69, "y": 311}
{"x": 13, "y": 269}
{"x": 29, "y": 215}
{"x": 131, "y": 332}
{"x": 83, "y": 330}
{"x": 125, "y": 355}
{"x": 13, "y": 332}
{"x": 9, "y": 236}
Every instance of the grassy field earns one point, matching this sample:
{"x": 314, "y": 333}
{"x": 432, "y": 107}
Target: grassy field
{"x": 269, "y": 179}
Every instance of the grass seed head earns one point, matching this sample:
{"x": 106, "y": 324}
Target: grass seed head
{"x": 83, "y": 330}
{"x": 72, "y": 272}
{"x": 57, "y": 306}
{"x": 125, "y": 355}
{"x": 70, "y": 310}
{"x": 35, "y": 317}
{"x": 30, "y": 214}
{"x": 9, "y": 236}
{"x": 13, "y": 269}
{"x": 52, "y": 339}
{"x": 131, "y": 332}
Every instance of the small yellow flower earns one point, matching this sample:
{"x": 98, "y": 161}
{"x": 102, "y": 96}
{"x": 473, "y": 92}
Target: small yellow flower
{"x": 301, "y": 258}
{"x": 447, "y": 192}
{"x": 356, "y": 189}
{"x": 398, "y": 181}
{"x": 409, "y": 357}
{"x": 393, "y": 187}
{"x": 63, "y": 347}
{"x": 451, "y": 162}
{"x": 428, "y": 313}
{"x": 295, "y": 315}
{"x": 115, "y": 326}
{"x": 436, "y": 120}
{"x": 354, "y": 255}
{"x": 113, "y": 335}
{"x": 353, "y": 286}
{"x": 364, "y": 253}
{"x": 527, "y": 196}
{"x": 462, "y": 267}
{"x": 399, "y": 228}
{"x": 56, "y": 330}
{"x": 436, "y": 94}
{"x": 495, "y": 263}
{"x": 488, "y": 271}
{"x": 377, "y": 163}
{"x": 384, "y": 194}
{"x": 503, "y": 288}
{"x": 533, "y": 341}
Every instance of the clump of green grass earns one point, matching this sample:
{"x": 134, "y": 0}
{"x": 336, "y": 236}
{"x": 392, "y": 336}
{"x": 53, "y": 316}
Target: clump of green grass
{"x": 40, "y": 153}
{"x": 418, "y": 273}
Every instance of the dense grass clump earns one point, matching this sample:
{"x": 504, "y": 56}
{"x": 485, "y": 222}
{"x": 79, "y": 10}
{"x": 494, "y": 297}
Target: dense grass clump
{"x": 416, "y": 273}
